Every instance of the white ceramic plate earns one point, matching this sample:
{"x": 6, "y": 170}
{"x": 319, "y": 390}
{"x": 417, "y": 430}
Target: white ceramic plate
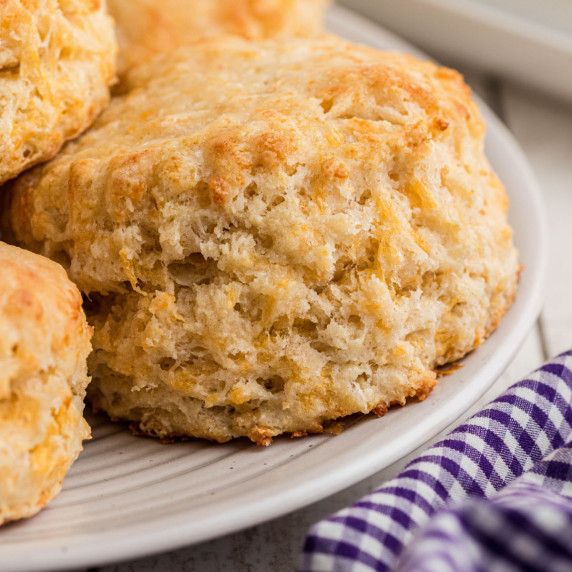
{"x": 128, "y": 497}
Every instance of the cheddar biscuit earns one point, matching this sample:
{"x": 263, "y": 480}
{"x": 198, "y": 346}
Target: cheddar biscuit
{"x": 44, "y": 343}
{"x": 146, "y": 27}
{"x": 275, "y": 235}
{"x": 57, "y": 60}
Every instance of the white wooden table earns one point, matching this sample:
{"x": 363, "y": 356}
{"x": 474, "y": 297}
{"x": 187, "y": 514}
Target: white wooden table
{"x": 544, "y": 129}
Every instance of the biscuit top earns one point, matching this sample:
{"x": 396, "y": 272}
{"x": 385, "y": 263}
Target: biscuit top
{"x": 42, "y": 325}
{"x": 56, "y": 62}
{"x": 146, "y": 27}
{"x": 302, "y": 154}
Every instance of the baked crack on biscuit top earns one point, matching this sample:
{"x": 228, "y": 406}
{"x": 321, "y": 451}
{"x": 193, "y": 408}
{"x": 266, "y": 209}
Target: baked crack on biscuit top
{"x": 57, "y": 60}
{"x": 146, "y": 28}
{"x": 273, "y": 235}
{"x": 44, "y": 343}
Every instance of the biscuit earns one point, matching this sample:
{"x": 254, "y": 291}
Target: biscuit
{"x": 146, "y": 27}
{"x": 274, "y": 235}
{"x": 44, "y": 343}
{"x": 57, "y": 60}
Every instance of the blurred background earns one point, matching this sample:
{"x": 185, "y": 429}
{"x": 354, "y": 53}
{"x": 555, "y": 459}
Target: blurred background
{"x": 528, "y": 42}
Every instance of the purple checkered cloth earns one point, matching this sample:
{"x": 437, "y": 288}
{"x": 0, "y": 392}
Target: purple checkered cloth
{"x": 494, "y": 495}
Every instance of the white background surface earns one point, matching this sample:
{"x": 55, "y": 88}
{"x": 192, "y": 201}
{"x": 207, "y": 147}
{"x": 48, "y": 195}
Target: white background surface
{"x": 529, "y": 41}
{"x": 543, "y": 127}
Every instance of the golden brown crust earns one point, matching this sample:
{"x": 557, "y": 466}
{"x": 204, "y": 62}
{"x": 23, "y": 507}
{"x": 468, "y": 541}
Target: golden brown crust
{"x": 44, "y": 343}
{"x": 279, "y": 251}
{"x": 262, "y": 436}
{"x": 146, "y": 28}
{"x": 57, "y": 60}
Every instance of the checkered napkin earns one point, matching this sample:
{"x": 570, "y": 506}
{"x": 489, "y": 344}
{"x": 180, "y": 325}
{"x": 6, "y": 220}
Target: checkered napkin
{"x": 494, "y": 495}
